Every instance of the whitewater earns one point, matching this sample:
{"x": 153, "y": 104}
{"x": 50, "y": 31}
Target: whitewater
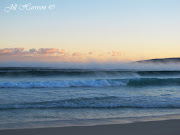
{"x": 53, "y": 94}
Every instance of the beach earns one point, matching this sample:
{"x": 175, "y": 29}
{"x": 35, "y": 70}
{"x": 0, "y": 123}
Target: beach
{"x": 165, "y": 127}
{"x": 92, "y": 67}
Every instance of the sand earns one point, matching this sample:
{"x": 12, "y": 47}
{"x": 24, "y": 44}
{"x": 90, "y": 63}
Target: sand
{"x": 165, "y": 127}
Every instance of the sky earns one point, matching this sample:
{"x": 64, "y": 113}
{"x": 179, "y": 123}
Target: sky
{"x": 89, "y": 30}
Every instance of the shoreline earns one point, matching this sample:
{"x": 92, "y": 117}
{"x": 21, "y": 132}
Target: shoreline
{"x": 84, "y": 123}
{"x": 162, "y": 127}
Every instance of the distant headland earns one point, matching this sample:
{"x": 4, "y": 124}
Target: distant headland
{"x": 164, "y": 60}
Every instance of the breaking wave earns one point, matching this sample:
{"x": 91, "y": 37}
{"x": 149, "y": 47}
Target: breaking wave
{"x": 92, "y": 83}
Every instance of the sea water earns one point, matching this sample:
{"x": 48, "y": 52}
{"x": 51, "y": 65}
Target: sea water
{"x": 49, "y": 97}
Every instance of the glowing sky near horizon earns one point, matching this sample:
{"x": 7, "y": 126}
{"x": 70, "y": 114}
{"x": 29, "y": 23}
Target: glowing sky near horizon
{"x": 85, "y": 29}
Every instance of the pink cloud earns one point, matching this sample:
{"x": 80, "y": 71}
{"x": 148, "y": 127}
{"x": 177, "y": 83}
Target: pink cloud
{"x": 6, "y": 51}
{"x": 32, "y": 51}
{"x": 116, "y": 53}
{"x": 76, "y": 54}
{"x": 11, "y": 51}
{"x": 91, "y": 52}
{"x": 62, "y": 51}
{"x": 48, "y": 50}
{"x": 18, "y": 50}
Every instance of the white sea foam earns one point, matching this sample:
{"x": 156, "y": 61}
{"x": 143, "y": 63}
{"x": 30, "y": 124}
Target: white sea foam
{"x": 92, "y": 83}
{"x": 59, "y": 84}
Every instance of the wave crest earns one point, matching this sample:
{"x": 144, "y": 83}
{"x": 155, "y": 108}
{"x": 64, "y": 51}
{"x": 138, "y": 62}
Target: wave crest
{"x": 59, "y": 84}
{"x": 92, "y": 83}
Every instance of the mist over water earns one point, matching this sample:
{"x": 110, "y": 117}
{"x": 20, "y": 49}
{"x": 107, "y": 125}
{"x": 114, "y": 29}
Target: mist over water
{"x": 97, "y": 65}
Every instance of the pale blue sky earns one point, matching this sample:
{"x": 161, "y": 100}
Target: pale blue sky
{"x": 138, "y": 28}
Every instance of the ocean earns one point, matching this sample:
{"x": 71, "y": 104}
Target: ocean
{"x": 50, "y": 97}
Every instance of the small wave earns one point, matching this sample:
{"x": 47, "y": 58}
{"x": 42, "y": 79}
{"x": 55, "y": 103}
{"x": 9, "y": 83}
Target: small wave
{"x": 101, "y": 102}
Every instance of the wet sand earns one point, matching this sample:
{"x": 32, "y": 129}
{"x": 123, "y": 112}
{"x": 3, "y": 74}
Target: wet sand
{"x": 165, "y": 127}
